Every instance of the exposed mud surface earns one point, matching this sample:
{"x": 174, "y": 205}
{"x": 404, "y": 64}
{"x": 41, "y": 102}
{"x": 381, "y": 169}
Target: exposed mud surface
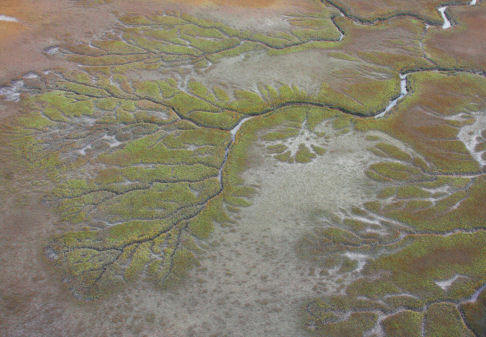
{"x": 253, "y": 276}
{"x": 242, "y": 168}
{"x": 28, "y": 26}
{"x": 252, "y": 282}
{"x": 306, "y": 70}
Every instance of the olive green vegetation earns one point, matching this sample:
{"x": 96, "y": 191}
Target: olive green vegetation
{"x": 154, "y": 155}
{"x": 382, "y": 9}
{"x": 443, "y": 319}
{"x": 160, "y": 40}
{"x": 460, "y": 209}
{"x": 406, "y": 279}
{"x": 427, "y": 192}
{"x": 475, "y": 314}
{"x": 159, "y": 172}
{"x": 421, "y": 119}
{"x": 368, "y": 102}
{"x": 329, "y": 323}
{"x": 444, "y": 55}
{"x": 299, "y": 132}
{"x": 398, "y": 62}
{"x": 424, "y": 259}
{"x": 432, "y": 186}
{"x": 143, "y": 169}
{"x": 403, "y": 324}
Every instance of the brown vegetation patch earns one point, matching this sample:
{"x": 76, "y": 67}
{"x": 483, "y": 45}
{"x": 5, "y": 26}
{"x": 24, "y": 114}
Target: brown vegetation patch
{"x": 42, "y": 24}
{"x": 397, "y": 36}
{"x": 421, "y": 119}
{"x": 464, "y": 45}
{"x": 475, "y": 314}
{"x": 371, "y": 9}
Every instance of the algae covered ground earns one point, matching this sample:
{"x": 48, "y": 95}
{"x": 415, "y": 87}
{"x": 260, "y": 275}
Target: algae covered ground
{"x": 260, "y": 168}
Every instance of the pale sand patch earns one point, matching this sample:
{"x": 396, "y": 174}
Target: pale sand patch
{"x": 7, "y": 18}
{"x": 470, "y": 135}
{"x": 251, "y": 283}
{"x": 307, "y": 70}
{"x": 445, "y": 284}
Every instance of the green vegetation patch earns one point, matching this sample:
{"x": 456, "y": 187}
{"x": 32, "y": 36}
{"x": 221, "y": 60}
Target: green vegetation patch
{"x": 474, "y": 314}
{"x": 443, "y": 319}
{"x": 403, "y": 324}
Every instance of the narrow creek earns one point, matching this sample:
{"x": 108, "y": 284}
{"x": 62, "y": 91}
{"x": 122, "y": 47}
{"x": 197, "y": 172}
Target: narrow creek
{"x": 447, "y": 23}
{"x": 394, "y": 102}
{"x": 233, "y": 133}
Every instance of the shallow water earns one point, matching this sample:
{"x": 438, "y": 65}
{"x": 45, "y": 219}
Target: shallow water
{"x": 8, "y": 18}
{"x": 403, "y": 93}
{"x": 447, "y": 283}
{"x": 447, "y": 23}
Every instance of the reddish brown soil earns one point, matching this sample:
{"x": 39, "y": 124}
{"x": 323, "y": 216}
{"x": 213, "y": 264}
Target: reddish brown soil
{"x": 370, "y": 9}
{"x": 466, "y": 41}
{"x": 44, "y": 23}
{"x": 383, "y": 37}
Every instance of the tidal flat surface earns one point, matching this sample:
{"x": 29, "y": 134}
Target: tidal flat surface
{"x": 243, "y": 168}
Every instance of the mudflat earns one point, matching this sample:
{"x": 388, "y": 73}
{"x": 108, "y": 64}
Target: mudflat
{"x": 242, "y": 168}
